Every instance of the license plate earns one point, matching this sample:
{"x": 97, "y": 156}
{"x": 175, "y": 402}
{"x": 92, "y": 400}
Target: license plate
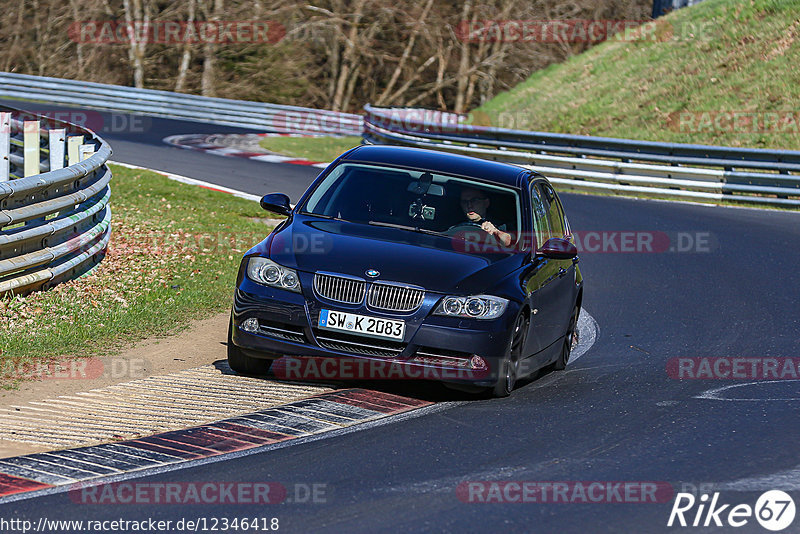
{"x": 362, "y": 324}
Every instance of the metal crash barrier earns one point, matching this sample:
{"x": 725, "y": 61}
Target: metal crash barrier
{"x": 54, "y": 193}
{"x": 602, "y": 164}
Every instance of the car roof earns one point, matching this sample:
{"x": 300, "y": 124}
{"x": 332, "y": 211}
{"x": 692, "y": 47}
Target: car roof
{"x": 438, "y": 162}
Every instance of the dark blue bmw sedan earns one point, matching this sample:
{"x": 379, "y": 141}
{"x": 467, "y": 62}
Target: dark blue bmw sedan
{"x": 446, "y": 266}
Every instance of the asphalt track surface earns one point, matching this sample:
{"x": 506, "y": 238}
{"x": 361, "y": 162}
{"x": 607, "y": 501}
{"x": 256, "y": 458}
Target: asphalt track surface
{"x": 614, "y": 415}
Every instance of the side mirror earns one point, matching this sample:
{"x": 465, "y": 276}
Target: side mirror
{"x": 276, "y": 203}
{"x": 558, "y": 248}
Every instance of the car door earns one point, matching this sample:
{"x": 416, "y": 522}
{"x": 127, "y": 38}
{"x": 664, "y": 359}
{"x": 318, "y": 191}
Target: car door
{"x": 562, "y": 294}
{"x": 541, "y": 279}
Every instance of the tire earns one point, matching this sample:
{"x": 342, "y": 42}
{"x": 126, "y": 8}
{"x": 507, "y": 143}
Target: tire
{"x": 509, "y": 368}
{"x": 242, "y": 363}
{"x": 566, "y": 349}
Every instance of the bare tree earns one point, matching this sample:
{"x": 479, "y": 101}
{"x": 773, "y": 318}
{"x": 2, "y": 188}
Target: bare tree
{"x": 187, "y": 51}
{"x": 336, "y": 54}
{"x": 136, "y": 16}
{"x": 209, "y": 48}
{"x": 420, "y": 24}
{"x": 463, "y": 65}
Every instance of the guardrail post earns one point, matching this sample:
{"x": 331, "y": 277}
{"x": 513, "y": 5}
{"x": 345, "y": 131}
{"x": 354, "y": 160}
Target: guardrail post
{"x": 86, "y": 151}
{"x": 57, "y": 141}
{"x": 5, "y": 145}
{"x": 74, "y": 149}
{"x": 30, "y": 147}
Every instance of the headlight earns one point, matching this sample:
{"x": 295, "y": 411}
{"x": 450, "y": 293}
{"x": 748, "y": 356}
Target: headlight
{"x": 269, "y": 273}
{"x": 473, "y": 307}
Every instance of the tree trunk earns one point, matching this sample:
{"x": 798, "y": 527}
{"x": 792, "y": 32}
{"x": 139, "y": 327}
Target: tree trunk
{"x": 463, "y": 65}
{"x": 349, "y": 57}
{"x": 81, "y": 59}
{"x": 187, "y": 53}
{"x": 406, "y": 53}
{"x": 207, "y": 84}
{"x": 136, "y": 17}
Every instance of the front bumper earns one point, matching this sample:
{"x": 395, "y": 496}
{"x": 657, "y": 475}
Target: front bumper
{"x": 434, "y": 347}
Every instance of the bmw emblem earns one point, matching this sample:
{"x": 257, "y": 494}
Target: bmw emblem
{"x": 372, "y": 273}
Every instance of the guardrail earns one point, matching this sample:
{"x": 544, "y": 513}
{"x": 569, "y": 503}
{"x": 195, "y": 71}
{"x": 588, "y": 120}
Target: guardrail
{"x": 603, "y": 164}
{"x": 54, "y": 219}
{"x": 240, "y": 113}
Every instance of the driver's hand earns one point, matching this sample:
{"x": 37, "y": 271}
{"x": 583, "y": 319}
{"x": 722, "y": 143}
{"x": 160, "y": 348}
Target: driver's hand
{"x": 489, "y": 228}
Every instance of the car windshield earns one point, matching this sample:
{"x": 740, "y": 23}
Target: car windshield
{"x": 414, "y": 200}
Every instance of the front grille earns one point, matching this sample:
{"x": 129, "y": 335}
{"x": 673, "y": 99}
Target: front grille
{"x": 282, "y": 331}
{"x": 359, "y": 345}
{"x": 339, "y": 289}
{"x": 391, "y": 297}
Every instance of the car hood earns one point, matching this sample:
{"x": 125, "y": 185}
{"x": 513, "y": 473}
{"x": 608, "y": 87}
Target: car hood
{"x": 434, "y": 262}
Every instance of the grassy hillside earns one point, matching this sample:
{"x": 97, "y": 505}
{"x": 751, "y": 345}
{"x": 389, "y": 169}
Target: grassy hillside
{"x": 701, "y": 65}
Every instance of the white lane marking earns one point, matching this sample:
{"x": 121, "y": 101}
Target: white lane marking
{"x": 192, "y": 181}
{"x": 777, "y": 209}
{"x": 449, "y": 483}
{"x": 707, "y": 205}
{"x": 588, "y": 329}
{"x": 714, "y": 394}
{"x": 788, "y": 480}
{"x": 223, "y": 151}
{"x": 271, "y": 158}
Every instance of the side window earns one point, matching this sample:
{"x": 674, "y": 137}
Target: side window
{"x": 540, "y": 224}
{"x": 555, "y": 217}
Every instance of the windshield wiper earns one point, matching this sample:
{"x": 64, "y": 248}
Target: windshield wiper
{"x": 322, "y": 216}
{"x": 404, "y": 227}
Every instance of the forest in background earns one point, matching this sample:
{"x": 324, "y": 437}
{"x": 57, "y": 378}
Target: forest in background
{"x": 331, "y": 54}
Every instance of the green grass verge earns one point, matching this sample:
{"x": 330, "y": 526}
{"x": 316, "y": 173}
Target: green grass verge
{"x": 717, "y": 56}
{"x": 173, "y": 257}
{"x": 321, "y": 149}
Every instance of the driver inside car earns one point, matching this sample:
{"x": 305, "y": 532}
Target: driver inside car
{"x": 475, "y": 205}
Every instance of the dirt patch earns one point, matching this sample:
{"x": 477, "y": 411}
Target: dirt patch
{"x": 202, "y": 343}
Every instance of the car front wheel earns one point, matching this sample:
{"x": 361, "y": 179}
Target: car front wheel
{"x": 509, "y": 368}
{"x": 569, "y": 340}
{"x": 242, "y": 363}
